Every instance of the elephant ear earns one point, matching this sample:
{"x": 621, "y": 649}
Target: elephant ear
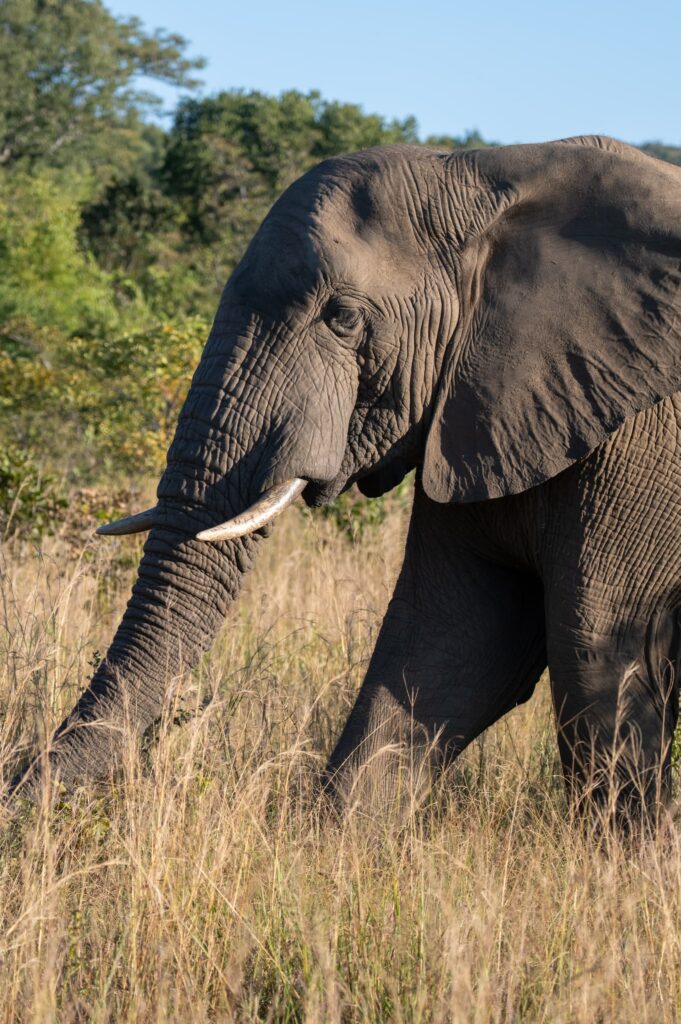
{"x": 570, "y": 311}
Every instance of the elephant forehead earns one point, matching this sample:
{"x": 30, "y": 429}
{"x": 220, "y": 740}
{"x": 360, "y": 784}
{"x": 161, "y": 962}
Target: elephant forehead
{"x": 366, "y": 238}
{"x": 343, "y": 226}
{"x": 294, "y": 262}
{"x": 366, "y": 261}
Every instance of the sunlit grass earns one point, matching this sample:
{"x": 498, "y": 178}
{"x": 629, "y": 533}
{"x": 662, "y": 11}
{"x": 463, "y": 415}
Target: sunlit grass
{"x": 207, "y": 886}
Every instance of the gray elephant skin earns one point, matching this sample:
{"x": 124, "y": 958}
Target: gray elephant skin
{"x": 508, "y": 322}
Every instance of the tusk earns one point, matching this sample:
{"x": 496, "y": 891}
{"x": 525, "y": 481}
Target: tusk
{"x": 266, "y": 508}
{"x": 140, "y": 523}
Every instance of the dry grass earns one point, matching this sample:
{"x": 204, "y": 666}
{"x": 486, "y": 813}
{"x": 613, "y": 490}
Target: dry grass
{"x": 204, "y": 887}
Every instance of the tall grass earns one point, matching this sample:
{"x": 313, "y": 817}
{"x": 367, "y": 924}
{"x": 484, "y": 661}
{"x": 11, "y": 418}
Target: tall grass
{"x": 205, "y": 886}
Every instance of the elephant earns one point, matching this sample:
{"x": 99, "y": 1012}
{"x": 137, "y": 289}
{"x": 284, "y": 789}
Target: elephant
{"x": 506, "y": 322}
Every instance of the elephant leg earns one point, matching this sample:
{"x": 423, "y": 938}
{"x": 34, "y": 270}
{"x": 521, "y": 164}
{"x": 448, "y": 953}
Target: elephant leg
{"x": 462, "y": 642}
{"x": 616, "y": 703}
{"x": 611, "y": 573}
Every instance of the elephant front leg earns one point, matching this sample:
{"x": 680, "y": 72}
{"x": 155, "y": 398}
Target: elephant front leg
{"x": 461, "y": 644}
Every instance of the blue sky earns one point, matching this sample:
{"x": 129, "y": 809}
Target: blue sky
{"x": 519, "y": 71}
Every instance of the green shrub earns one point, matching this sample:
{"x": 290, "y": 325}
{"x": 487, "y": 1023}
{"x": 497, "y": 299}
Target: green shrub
{"x": 96, "y": 406}
{"x": 29, "y": 504}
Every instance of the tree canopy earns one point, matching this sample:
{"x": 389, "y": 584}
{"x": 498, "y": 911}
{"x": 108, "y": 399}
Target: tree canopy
{"x": 69, "y": 82}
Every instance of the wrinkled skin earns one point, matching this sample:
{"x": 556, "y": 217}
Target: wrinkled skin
{"x": 509, "y": 322}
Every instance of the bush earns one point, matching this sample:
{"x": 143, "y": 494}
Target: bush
{"x": 97, "y": 404}
{"x": 44, "y": 274}
{"x": 29, "y": 504}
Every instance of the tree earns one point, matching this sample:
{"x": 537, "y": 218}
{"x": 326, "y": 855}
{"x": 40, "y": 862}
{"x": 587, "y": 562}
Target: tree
{"x": 344, "y": 127}
{"x": 68, "y": 84}
{"x": 45, "y": 276}
{"x": 121, "y": 226}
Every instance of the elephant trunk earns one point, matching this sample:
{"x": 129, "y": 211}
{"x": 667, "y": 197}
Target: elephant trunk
{"x": 181, "y": 595}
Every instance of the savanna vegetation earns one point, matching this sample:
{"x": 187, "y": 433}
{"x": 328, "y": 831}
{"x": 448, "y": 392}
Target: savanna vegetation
{"x": 205, "y": 885}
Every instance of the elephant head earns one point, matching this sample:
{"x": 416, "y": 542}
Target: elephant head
{"x": 487, "y": 316}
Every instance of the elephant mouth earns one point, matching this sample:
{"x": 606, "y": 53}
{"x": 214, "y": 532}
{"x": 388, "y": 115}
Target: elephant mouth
{"x": 372, "y": 483}
{"x": 318, "y": 493}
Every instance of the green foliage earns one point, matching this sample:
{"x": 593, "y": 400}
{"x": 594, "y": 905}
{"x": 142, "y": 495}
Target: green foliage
{"x": 471, "y": 140}
{"x": 29, "y": 503}
{"x": 247, "y": 147}
{"x": 121, "y": 226}
{"x": 227, "y": 159}
{"x": 44, "y": 274}
{"x": 67, "y": 87}
{"x": 127, "y": 391}
{"x": 115, "y": 400}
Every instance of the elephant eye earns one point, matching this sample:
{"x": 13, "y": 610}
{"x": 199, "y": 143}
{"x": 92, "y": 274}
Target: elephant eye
{"x": 342, "y": 319}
